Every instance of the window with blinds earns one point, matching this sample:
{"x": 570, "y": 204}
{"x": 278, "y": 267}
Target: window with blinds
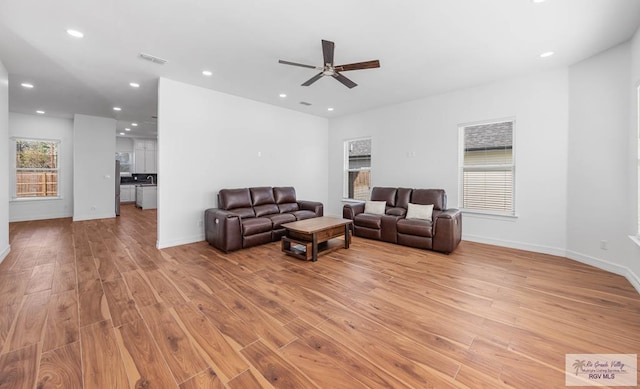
{"x": 487, "y": 167}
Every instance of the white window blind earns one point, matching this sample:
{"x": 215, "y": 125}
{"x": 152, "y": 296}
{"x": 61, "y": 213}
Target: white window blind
{"x": 487, "y": 167}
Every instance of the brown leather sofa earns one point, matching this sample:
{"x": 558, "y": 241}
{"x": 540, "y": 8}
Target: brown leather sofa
{"x": 248, "y": 217}
{"x": 442, "y": 234}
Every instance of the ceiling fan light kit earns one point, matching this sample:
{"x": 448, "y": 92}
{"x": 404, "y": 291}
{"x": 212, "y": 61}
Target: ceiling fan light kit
{"x": 329, "y": 69}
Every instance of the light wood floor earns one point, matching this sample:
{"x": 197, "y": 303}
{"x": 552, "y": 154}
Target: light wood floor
{"x": 94, "y": 305}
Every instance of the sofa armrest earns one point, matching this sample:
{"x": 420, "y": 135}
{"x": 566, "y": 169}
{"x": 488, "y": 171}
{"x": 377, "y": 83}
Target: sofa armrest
{"x": 223, "y": 229}
{"x": 313, "y": 206}
{"x": 350, "y": 210}
{"x": 447, "y": 230}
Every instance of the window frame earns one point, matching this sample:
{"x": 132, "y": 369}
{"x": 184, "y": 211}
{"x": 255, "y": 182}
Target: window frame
{"x": 489, "y": 167}
{"x": 346, "y": 170}
{"x": 637, "y": 236}
{"x": 58, "y": 170}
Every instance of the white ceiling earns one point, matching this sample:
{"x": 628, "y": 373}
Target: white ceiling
{"x": 425, "y": 47}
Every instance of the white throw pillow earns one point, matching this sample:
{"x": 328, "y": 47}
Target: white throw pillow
{"x": 418, "y": 211}
{"x": 375, "y": 207}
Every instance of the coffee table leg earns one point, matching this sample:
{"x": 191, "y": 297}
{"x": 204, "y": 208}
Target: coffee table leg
{"x": 346, "y": 236}
{"x": 314, "y": 248}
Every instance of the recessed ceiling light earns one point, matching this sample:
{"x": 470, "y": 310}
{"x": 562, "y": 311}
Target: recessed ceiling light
{"x": 122, "y": 133}
{"x": 27, "y": 85}
{"x": 127, "y": 129}
{"x": 117, "y": 109}
{"x": 538, "y": 1}
{"x": 40, "y": 112}
{"x": 329, "y": 109}
{"x": 134, "y": 124}
{"x": 75, "y": 33}
{"x": 283, "y": 95}
{"x": 207, "y": 73}
{"x": 134, "y": 85}
{"x": 546, "y": 54}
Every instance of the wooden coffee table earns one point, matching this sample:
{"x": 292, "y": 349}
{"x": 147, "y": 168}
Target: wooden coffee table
{"x": 307, "y": 239}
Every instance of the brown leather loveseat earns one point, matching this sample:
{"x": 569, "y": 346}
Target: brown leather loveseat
{"x": 248, "y": 217}
{"x": 404, "y": 216}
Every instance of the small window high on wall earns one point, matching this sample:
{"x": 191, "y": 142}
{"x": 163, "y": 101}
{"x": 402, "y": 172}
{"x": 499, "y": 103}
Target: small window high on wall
{"x": 36, "y": 168}
{"x": 487, "y": 167}
{"x": 357, "y": 169}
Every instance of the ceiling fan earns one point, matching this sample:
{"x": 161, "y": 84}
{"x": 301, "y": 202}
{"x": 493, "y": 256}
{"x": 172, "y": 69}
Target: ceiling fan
{"x": 334, "y": 71}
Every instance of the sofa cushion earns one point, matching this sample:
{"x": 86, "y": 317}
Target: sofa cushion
{"x": 284, "y": 194}
{"x": 397, "y": 211}
{"x": 403, "y": 197}
{"x": 380, "y": 193}
{"x": 266, "y": 209}
{"x": 243, "y": 212}
{"x": 368, "y": 220}
{"x": 437, "y": 197}
{"x": 262, "y": 195}
{"x": 419, "y": 211}
{"x": 281, "y": 218}
{"x": 285, "y": 197}
{"x": 415, "y": 227}
{"x": 234, "y": 198}
{"x": 288, "y": 207}
{"x": 303, "y": 214}
{"x": 375, "y": 207}
{"x": 255, "y": 225}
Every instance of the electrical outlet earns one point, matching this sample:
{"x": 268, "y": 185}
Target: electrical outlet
{"x": 604, "y": 245}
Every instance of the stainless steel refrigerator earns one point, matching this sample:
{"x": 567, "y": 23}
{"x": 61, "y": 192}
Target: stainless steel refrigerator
{"x": 117, "y": 180}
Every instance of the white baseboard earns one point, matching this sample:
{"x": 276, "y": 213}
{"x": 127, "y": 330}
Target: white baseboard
{"x": 603, "y": 264}
{"x": 608, "y": 266}
{"x": 93, "y": 216}
{"x": 181, "y": 241}
{"x": 4, "y": 253}
{"x": 517, "y": 245}
{"x": 43, "y": 216}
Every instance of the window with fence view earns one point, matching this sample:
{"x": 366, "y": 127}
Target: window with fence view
{"x": 488, "y": 168}
{"x": 357, "y": 169}
{"x": 36, "y": 168}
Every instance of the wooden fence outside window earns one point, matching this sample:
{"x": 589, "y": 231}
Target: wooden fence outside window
{"x": 36, "y": 184}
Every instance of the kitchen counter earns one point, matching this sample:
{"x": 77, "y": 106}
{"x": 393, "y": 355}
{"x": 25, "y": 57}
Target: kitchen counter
{"x": 146, "y": 196}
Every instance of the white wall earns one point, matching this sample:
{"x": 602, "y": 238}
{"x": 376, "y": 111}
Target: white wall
{"x": 4, "y": 163}
{"x": 208, "y": 141}
{"x": 93, "y": 167}
{"x": 429, "y": 127}
{"x": 634, "y": 182}
{"x": 43, "y": 127}
{"x": 124, "y": 145}
{"x": 600, "y": 206}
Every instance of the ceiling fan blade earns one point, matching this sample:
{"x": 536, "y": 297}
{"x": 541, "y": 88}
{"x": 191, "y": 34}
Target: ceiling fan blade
{"x": 327, "y": 51}
{"x": 313, "y": 79}
{"x": 296, "y": 64}
{"x": 359, "y": 65}
{"x": 347, "y": 82}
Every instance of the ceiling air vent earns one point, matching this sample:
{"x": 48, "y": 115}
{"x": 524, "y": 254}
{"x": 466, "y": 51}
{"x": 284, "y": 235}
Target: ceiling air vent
{"x": 153, "y": 59}
{"x": 305, "y": 103}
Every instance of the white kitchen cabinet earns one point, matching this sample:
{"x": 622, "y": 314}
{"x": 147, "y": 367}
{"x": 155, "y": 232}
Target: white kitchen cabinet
{"x": 145, "y": 156}
{"x": 127, "y": 193}
{"x": 147, "y": 197}
{"x": 150, "y": 161}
